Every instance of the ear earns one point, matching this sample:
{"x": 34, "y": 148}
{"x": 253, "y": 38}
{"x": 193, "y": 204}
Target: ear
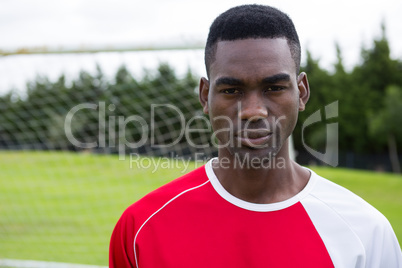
{"x": 304, "y": 90}
{"x": 203, "y": 94}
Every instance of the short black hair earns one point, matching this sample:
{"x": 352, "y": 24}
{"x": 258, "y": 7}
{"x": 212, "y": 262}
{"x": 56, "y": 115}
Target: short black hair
{"x": 252, "y": 21}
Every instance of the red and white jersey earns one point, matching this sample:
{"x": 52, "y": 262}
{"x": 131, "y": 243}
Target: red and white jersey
{"x": 193, "y": 222}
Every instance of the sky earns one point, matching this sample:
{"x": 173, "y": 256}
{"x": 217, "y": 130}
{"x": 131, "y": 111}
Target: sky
{"x": 66, "y": 24}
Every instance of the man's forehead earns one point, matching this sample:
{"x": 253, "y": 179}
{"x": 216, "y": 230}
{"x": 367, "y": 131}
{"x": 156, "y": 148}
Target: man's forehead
{"x": 253, "y": 49}
{"x": 253, "y": 56}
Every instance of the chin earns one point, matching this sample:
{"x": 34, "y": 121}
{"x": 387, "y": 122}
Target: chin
{"x": 254, "y": 157}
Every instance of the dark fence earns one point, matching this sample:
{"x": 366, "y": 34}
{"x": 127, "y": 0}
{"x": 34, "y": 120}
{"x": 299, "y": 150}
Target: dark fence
{"x": 375, "y": 162}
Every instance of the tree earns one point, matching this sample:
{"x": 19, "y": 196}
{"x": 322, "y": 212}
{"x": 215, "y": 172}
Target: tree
{"x": 387, "y": 122}
{"x": 371, "y": 78}
{"x": 352, "y": 108}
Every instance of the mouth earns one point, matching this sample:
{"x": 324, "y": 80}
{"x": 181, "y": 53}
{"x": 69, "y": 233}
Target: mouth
{"x": 254, "y": 138}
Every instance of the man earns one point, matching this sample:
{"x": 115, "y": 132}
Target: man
{"x": 253, "y": 206}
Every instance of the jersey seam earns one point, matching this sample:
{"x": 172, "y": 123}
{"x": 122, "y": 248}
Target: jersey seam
{"x": 158, "y": 210}
{"x": 341, "y": 217}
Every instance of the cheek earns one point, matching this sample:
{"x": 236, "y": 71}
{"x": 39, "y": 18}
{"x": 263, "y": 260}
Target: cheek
{"x": 286, "y": 113}
{"x": 221, "y": 124}
{"x": 220, "y": 108}
{"x": 292, "y": 113}
{"x": 222, "y": 119}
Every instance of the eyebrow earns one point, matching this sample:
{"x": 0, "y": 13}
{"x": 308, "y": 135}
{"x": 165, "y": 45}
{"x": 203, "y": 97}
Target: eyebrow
{"x": 228, "y": 81}
{"x": 231, "y": 81}
{"x": 281, "y": 77}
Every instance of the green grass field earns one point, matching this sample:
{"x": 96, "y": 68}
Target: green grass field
{"x": 62, "y": 207}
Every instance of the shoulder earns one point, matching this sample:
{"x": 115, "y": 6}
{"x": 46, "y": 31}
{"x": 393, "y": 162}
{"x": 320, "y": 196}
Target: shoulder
{"x": 159, "y": 197}
{"x": 351, "y": 211}
{"x": 340, "y": 215}
{"x": 351, "y": 207}
{"x": 121, "y": 252}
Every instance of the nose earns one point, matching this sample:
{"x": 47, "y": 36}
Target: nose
{"x": 252, "y": 107}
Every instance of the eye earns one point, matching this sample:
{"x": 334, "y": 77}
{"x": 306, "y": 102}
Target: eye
{"x": 274, "y": 88}
{"x": 230, "y": 91}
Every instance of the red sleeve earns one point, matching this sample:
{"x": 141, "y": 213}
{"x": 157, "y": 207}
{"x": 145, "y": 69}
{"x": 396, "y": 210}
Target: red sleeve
{"x": 121, "y": 251}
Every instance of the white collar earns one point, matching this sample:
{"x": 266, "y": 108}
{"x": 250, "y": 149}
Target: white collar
{"x": 253, "y": 206}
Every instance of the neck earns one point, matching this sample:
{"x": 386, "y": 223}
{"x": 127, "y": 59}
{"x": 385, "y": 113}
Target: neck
{"x": 273, "y": 180}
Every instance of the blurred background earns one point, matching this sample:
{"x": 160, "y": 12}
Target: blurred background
{"x": 61, "y": 196}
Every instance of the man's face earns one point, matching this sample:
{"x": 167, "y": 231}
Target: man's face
{"x": 253, "y": 96}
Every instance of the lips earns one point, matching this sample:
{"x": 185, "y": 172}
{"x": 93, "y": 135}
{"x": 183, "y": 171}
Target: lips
{"x": 254, "y": 137}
